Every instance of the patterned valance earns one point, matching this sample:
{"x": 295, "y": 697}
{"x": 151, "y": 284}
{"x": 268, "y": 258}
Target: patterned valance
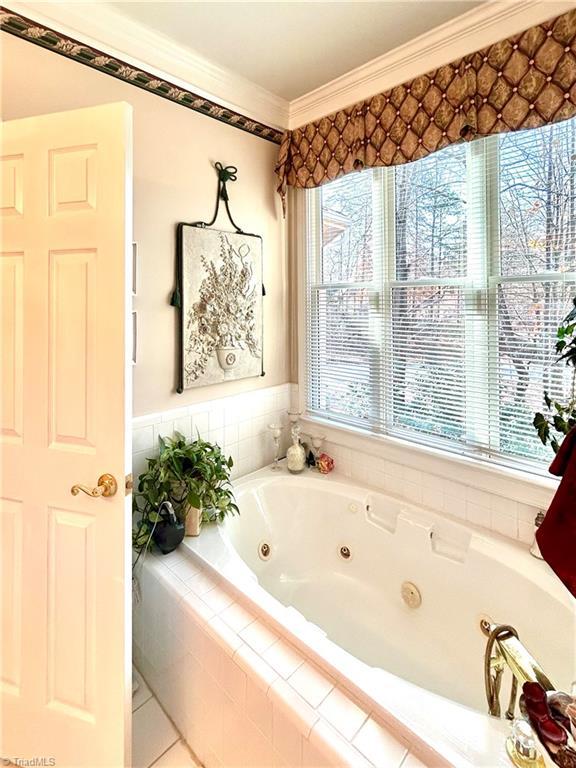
{"x": 526, "y": 81}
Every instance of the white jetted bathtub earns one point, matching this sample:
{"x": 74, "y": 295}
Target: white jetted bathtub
{"x": 391, "y": 596}
{"x": 356, "y": 615}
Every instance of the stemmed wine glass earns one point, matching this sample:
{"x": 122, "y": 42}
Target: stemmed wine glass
{"x": 294, "y": 416}
{"x": 276, "y": 430}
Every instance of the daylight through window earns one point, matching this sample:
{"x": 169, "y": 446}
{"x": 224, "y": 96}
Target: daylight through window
{"x": 435, "y": 290}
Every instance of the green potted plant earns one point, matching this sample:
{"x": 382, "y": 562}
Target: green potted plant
{"x": 194, "y": 476}
{"x": 560, "y": 417}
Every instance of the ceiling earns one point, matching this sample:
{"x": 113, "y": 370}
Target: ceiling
{"x": 290, "y": 48}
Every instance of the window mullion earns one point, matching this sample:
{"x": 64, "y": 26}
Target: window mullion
{"x": 377, "y": 394}
{"x": 492, "y": 149}
{"x": 388, "y": 274}
{"x": 314, "y": 367}
{"x": 475, "y": 300}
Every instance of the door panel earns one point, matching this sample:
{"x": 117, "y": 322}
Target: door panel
{"x": 65, "y": 212}
{"x": 71, "y": 632}
{"x": 11, "y": 586}
{"x": 12, "y": 190}
{"x": 11, "y": 298}
{"x": 73, "y": 179}
{"x": 73, "y": 329}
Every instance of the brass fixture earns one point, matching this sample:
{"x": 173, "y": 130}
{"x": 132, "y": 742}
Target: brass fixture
{"x": 129, "y": 484}
{"x": 345, "y": 553}
{"x": 107, "y": 486}
{"x": 522, "y": 748}
{"x": 411, "y": 594}
{"x": 264, "y": 551}
{"x": 508, "y": 650}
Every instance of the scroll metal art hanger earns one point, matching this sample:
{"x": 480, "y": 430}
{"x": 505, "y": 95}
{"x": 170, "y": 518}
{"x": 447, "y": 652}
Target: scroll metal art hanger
{"x": 226, "y": 174}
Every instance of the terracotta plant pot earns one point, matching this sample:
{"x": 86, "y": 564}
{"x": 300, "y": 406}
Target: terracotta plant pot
{"x": 193, "y": 521}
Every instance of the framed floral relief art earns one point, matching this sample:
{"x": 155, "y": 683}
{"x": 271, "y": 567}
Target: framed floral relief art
{"x": 221, "y": 306}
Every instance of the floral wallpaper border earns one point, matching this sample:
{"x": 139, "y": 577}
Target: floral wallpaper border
{"x": 29, "y": 30}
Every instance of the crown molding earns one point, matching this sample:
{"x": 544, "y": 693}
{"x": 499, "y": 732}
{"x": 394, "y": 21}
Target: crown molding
{"x": 486, "y": 24}
{"x": 104, "y": 28}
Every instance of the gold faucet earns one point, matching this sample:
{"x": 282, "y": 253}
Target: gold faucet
{"x": 504, "y": 648}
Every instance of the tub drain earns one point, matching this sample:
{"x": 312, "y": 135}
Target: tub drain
{"x": 264, "y": 551}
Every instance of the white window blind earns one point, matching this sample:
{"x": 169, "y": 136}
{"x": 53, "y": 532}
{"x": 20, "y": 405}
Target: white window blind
{"x": 435, "y": 289}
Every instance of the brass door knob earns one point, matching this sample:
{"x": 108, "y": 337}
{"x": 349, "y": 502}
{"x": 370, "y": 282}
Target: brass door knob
{"x": 107, "y": 486}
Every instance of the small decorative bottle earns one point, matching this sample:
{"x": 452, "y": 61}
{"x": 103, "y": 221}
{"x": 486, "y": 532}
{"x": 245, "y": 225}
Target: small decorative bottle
{"x": 296, "y": 455}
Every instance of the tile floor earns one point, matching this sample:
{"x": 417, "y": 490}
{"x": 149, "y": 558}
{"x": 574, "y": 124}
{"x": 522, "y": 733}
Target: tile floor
{"x": 155, "y": 741}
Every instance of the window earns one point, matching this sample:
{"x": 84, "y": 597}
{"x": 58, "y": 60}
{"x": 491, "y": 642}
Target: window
{"x": 435, "y": 289}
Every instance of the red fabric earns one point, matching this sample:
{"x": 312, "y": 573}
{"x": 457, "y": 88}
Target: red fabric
{"x": 556, "y": 536}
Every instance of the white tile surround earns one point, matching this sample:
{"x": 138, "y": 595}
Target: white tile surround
{"x": 240, "y": 694}
{"x": 480, "y": 508}
{"x": 485, "y": 497}
{"x": 239, "y": 424}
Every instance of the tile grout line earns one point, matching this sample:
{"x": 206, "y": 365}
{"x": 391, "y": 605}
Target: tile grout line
{"x": 178, "y": 741}
{"x": 142, "y": 703}
{"x": 196, "y": 762}
{"x": 330, "y": 728}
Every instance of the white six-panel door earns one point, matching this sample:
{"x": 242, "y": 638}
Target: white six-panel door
{"x": 65, "y": 214}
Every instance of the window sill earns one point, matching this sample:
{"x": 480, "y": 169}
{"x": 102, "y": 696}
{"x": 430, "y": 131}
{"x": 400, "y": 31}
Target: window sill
{"x": 518, "y": 485}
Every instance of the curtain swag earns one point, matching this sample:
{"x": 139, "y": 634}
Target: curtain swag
{"x": 526, "y": 81}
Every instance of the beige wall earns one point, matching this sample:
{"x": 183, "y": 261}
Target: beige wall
{"x": 173, "y": 181}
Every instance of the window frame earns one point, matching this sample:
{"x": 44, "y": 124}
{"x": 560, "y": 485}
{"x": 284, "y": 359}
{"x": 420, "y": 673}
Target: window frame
{"x": 480, "y": 289}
